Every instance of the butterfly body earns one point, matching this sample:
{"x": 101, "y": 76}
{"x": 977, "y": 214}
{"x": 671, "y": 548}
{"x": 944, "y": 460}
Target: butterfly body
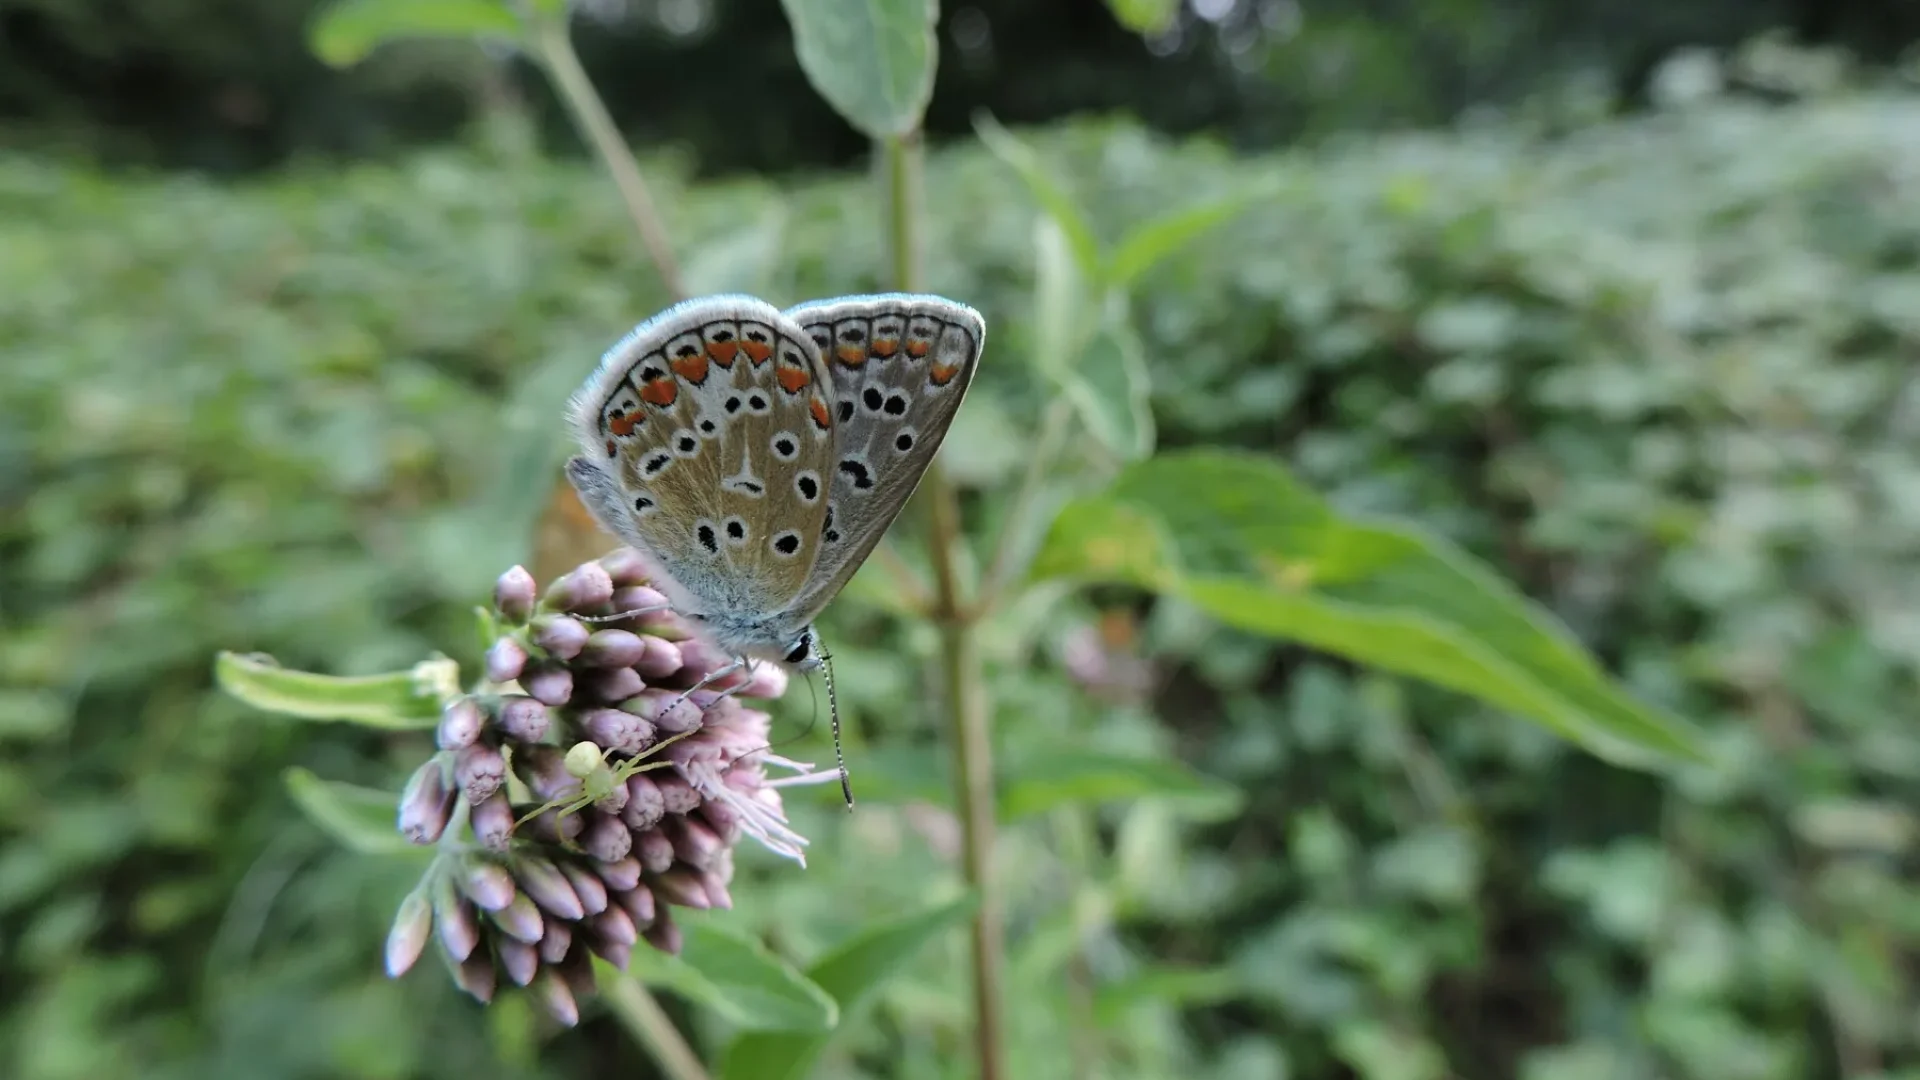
{"x": 755, "y": 456}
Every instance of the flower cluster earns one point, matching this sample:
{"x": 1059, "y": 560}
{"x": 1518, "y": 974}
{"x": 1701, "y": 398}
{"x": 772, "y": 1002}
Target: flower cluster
{"x": 600, "y": 774}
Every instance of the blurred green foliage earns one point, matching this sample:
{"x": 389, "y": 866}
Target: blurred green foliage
{"x": 231, "y": 85}
{"x": 1660, "y": 372}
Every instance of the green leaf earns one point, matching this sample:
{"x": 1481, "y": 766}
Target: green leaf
{"x": 1109, "y": 388}
{"x": 1147, "y": 245}
{"x": 398, "y": 700}
{"x": 1060, "y": 307}
{"x": 1058, "y": 203}
{"x": 872, "y": 60}
{"x": 851, "y": 973}
{"x": 346, "y": 32}
{"x": 1041, "y": 782}
{"x": 360, "y": 818}
{"x": 1239, "y": 537}
{"x": 738, "y": 979}
{"x": 1163, "y": 986}
{"x": 1144, "y": 16}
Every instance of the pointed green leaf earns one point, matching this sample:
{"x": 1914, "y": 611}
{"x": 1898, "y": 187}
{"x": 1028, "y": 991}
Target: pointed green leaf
{"x": 872, "y": 60}
{"x": 1058, "y": 203}
{"x": 1061, "y": 313}
{"x": 360, "y": 818}
{"x": 1242, "y": 539}
{"x": 1040, "y": 782}
{"x": 1144, "y": 16}
{"x": 346, "y": 32}
{"x": 1162, "y": 236}
{"x": 738, "y": 979}
{"x": 1109, "y": 390}
{"x": 851, "y": 973}
{"x": 398, "y": 700}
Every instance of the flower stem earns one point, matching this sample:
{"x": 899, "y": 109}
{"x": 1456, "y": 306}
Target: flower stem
{"x": 555, "y": 49}
{"x": 646, "y": 1021}
{"x": 962, "y": 675}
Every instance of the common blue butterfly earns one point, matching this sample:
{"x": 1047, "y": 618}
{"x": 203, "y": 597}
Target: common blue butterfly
{"x": 756, "y": 456}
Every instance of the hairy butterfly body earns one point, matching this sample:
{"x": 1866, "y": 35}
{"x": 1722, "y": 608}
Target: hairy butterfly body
{"x": 756, "y": 457}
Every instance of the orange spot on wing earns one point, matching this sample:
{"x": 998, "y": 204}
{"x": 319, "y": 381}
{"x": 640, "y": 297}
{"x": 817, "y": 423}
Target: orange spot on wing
{"x": 757, "y": 351}
{"x": 851, "y": 355}
{"x": 822, "y": 419}
{"x": 792, "y": 379}
{"x": 885, "y": 347}
{"x": 692, "y": 368}
{"x": 624, "y": 424}
{"x": 661, "y": 392}
{"x": 611, "y": 448}
{"x": 918, "y": 349}
{"x": 723, "y": 352}
{"x": 942, "y": 374}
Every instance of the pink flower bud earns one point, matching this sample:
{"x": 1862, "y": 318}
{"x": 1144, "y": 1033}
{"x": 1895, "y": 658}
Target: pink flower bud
{"x": 454, "y": 918}
{"x": 644, "y": 806}
{"x": 479, "y": 770}
{"x": 486, "y": 883}
{"x": 513, "y": 594}
{"x": 663, "y": 935}
{"x": 476, "y": 976}
{"x": 654, "y": 850}
{"x": 506, "y": 659}
{"x": 551, "y": 991}
{"x": 556, "y": 942}
{"x": 426, "y": 803}
{"x": 460, "y": 724}
{"x": 606, "y": 839}
{"x": 612, "y": 649}
{"x": 660, "y": 659}
{"x": 639, "y": 905}
{"x": 587, "y": 886}
{"x": 408, "y": 937}
{"x": 609, "y": 685}
{"x": 520, "y": 920}
{"x": 522, "y": 719}
{"x": 614, "y": 924}
{"x": 520, "y": 960}
{"x": 583, "y": 590}
{"x": 548, "y": 683}
{"x": 549, "y": 888}
{"x": 668, "y": 711}
{"x": 492, "y": 822}
{"x": 626, "y": 567}
{"x": 620, "y": 875}
{"x": 676, "y": 794}
{"x": 619, "y": 731}
{"x": 682, "y": 886}
{"x": 560, "y": 636}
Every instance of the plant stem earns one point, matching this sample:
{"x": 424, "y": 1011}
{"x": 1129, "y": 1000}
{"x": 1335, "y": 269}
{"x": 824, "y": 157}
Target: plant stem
{"x": 589, "y": 113}
{"x": 962, "y": 675}
{"x": 647, "y": 1022}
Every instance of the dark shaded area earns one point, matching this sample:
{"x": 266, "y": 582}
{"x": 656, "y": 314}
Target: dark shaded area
{"x": 230, "y": 85}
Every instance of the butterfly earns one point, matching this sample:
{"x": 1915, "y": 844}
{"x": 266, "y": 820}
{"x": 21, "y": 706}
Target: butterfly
{"x": 756, "y": 456}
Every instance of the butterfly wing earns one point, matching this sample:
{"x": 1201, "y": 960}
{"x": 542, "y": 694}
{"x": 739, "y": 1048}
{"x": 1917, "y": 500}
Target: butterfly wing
{"x": 706, "y": 440}
{"x": 901, "y": 365}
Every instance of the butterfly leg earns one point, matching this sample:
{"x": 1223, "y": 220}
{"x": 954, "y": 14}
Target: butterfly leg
{"x": 712, "y": 677}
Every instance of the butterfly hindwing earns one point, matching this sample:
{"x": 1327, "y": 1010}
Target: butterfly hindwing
{"x": 706, "y": 441}
{"x": 901, "y": 365}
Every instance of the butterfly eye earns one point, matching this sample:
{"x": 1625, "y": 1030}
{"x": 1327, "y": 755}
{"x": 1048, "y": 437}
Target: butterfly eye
{"x": 802, "y": 649}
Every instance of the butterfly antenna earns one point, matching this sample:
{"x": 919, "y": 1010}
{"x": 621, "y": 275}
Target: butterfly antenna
{"x": 833, "y": 710}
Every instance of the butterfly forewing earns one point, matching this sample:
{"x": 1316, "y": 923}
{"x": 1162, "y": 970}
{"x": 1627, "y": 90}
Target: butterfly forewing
{"x": 707, "y": 443}
{"x": 900, "y": 366}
